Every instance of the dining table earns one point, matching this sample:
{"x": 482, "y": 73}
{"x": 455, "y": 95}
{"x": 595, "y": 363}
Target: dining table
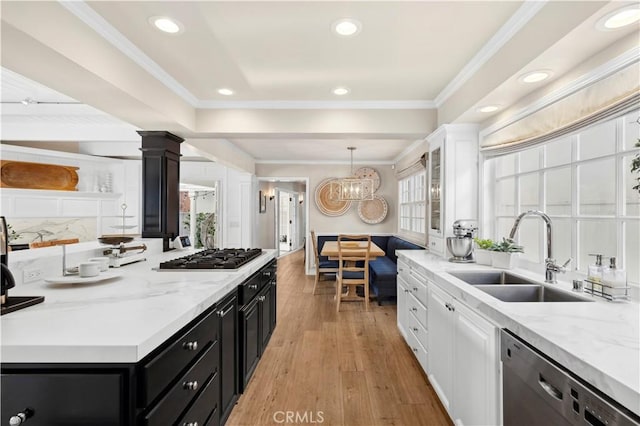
{"x": 330, "y": 250}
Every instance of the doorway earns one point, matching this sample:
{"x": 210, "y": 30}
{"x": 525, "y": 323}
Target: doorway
{"x": 287, "y": 221}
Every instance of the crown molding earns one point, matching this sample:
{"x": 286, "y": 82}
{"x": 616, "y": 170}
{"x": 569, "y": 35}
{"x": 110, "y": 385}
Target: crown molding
{"x": 96, "y": 22}
{"x": 316, "y": 104}
{"x": 603, "y": 71}
{"x": 518, "y": 20}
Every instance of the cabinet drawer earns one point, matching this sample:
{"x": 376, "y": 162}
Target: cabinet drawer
{"x": 160, "y": 371}
{"x": 419, "y": 331}
{"x": 204, "y": 410}
{"x": 418, "y": 311}
{"x": 187, "y": 386}
{"x": 403, "y": 268}
{"x": 418, "y": 288}
{"x": 64, "y": 398}
{"x": 418, "y": 350}
{"x": 250, "y": 287}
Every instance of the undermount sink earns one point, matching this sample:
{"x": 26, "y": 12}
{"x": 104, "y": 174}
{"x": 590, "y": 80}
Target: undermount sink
{"x": 509, "y": 287}
{"x": 529, "y": 293}
{"x": 491, "y": 277}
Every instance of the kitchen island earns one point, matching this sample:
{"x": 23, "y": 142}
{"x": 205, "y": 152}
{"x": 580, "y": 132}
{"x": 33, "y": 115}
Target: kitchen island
{"x": 598, "y": 342}
{"x": 140, "y": 348}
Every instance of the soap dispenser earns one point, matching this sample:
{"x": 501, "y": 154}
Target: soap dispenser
{"x": 613, "y": 276}
{"x": 594, "y": 272}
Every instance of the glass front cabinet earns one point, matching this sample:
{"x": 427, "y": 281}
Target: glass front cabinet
{"x": 453, "y": 181}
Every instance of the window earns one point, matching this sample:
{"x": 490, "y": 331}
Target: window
{"x": 583, "y": 182}
{"x": 412, "y": 213}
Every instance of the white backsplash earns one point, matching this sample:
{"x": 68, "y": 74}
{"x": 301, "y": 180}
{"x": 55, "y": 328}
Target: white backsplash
{"x": 30, "y": 229}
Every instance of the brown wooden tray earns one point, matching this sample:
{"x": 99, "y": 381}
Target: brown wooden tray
{"x": 21, "y": 174}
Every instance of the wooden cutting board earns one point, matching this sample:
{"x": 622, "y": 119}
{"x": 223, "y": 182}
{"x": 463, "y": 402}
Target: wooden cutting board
{"x": 39, "y": 244}
{"x": 21, "y": 174}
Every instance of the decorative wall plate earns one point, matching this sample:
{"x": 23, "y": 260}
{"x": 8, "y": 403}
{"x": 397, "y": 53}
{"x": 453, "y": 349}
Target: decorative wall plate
{"x": 369, "y": 173}
{"x": 21, "y": 174}
{"x": 373, "y": 211}
{"x": 325, "y": 204}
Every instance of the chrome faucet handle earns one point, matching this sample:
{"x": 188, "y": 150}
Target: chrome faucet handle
{"x": 552, "y": 266}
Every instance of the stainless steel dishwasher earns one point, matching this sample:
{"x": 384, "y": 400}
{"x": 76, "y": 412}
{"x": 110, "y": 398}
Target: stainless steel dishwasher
{"x": 538, "y": 391}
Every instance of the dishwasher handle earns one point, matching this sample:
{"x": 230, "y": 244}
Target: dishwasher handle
{"x": 549, "y": 388}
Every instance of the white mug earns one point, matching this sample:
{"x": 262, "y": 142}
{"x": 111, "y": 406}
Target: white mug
{"x": 102, "y": 261}
{"x": 88, "y": 269}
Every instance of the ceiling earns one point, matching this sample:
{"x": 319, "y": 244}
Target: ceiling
{"x": 412, "y": 66}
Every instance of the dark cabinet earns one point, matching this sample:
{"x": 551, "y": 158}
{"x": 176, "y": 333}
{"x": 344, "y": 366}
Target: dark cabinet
{"x": 227, "y": 310}
{"x": 250, "y": 334}
{"x": 264, "y": 306}
{"x": 195, "y": 377}
{"x": 49, "y": 398}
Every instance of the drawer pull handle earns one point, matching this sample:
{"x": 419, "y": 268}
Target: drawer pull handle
{"x": 415, "y": 329}
{"x": 223, "y": 313}
{"x": 406, "y": 290}
{"x": 415, "y": 350}
{"x": 253, "y": 286}
{"x": 190, "y": 424}
{"x": 414, "y": 309}
{"x": 415, "y": 289}
{"x": 262, "y": 298}
{"x": 190, "y": 385}
{"x": 190, "y": 346}
{"x": 22, "y": 417}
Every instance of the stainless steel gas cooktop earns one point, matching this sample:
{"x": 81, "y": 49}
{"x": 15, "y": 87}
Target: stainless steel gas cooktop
{"x": 228, "y": 258}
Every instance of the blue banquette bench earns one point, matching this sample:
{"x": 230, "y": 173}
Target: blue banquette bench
{"x": 382, "y": 270}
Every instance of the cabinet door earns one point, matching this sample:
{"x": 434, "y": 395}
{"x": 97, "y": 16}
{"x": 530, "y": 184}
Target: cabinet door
{"x": 436, "y": 190}
{"x": 228, "y": 313}
{"x": 475, "y": 376}
{"x": 250, "y": 315}
{"x": 264, "y": 306}
{"x": 403, "y": 308}
{"x": 274, "y": 304}
{"x": 440, "y": 344}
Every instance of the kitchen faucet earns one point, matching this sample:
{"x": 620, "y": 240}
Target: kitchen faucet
{"x": 551, "y": 268}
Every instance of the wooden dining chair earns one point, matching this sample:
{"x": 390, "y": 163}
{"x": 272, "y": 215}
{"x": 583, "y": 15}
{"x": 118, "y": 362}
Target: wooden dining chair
{"x": 322, "y": 266}
{"x": 353, "y": 268}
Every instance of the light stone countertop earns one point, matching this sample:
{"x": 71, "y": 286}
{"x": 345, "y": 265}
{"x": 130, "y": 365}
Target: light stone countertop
{"x": 599, "y": 342}
{"x": 120, "y": 320}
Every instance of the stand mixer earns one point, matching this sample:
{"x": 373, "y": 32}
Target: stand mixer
{"x": 461, "y": 244}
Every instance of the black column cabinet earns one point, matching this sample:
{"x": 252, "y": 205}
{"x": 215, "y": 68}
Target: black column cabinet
{"x": 227, "y": 310}
{"x": 160, "y": 185}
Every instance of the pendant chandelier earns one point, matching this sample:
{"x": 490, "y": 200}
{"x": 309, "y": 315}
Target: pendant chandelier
{"x": 352, "y": 188}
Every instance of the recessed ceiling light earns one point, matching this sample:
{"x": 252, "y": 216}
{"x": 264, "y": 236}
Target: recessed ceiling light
{"x": 347, "y": 27}
{"x": 619, "y": 18}
{"x": 166, "y": 25}
{"x": 488, "y": 108}
{"x": 225, "y": 91}
{"x": 535, "y": 76}
{"x": 340, "y": 91}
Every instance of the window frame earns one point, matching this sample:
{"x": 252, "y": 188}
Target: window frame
{"x": 620, "y": 217}
{"x": 413, "y": 199}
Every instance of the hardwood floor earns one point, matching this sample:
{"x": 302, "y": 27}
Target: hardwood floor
{"x": 334, "y": 368}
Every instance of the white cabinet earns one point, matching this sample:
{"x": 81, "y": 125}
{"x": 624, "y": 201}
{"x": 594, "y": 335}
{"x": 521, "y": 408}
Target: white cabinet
{"x": 412, "y": 308}
{"x": 462, "y": 359}
{"x": 453, "y": 180}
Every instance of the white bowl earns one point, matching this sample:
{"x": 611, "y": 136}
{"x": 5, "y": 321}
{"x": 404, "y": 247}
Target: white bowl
{"x": 88, "y": 269}
{"x": 102, "y": 261}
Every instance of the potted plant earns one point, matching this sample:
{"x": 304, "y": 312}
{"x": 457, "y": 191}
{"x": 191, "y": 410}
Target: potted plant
{"x": 503, "y": 254}
{"x": 482, "y": 253}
